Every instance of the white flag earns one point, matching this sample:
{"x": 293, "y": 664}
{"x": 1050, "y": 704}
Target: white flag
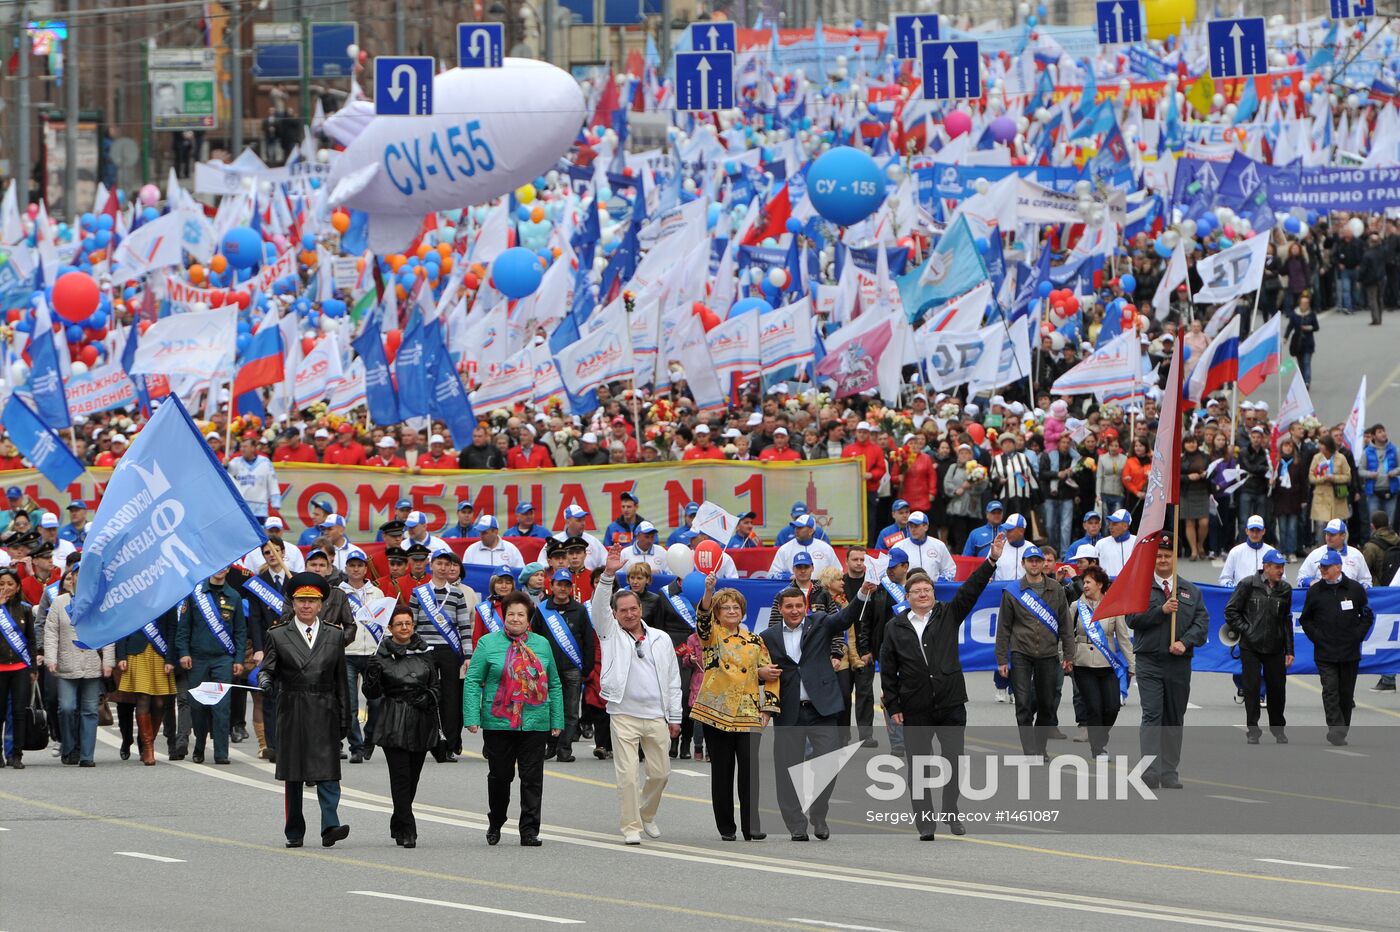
{"x": 1353, "y": 432}
{"x": 1232, "y": 272}
{"x": 1114, "y": 367}
{"x": 1174, "y": 275}
{"x": 155, "y": 245}
{"x": 318, "y": 369}
{"x": 1297, "y": 404}
{"x": 199, "y": 343}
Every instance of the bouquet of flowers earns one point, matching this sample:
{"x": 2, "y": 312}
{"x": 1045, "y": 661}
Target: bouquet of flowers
{"x": 976, "y": 472}
{"x": 948, "y": 411}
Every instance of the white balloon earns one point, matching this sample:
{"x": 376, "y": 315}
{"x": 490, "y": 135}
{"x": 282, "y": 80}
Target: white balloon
{"x": 1230, "y": 111}
{"x": 1218, "y": 101}
{"x": 680, "y": 559}
{"x": 982, "y": 185}
{"x": 199, "y": 306}
{"x": 777, "y": 277}
{"x": 79, "y": 368}
{"x": 352, "y": 51}
{"x": 1356, "y": 226}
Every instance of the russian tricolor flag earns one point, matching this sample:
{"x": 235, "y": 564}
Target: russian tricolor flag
{"x": 1259, "y": 356}
{"x": 1218, "y": 366}
{"x": 262, "y": 363}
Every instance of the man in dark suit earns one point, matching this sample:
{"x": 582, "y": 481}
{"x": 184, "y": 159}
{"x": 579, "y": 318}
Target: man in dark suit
{"x": 1164, "y": 665}
{"x": 267, "y": 600}
{"x": 922, "y": 682}
{"x": 812, "y": 699}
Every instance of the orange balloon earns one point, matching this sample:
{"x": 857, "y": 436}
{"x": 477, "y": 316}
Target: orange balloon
{"x": 445, "y": 250}
{"x": 423, "y": 250}
{"x": 396, "y": 261}
{"x": 478, "y": 270}
{"x": 447, "y": 265}
{"x": 197, "y": 273}
{"x": 360, "y": 264}
{"x": 340, "y": 221}
{"x": 537, "y": 214}
{"x": 556, "y": 251}
{"x": 218, "y": 264}
{"x": 398, "y": 289}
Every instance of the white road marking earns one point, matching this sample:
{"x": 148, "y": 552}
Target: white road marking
{"x": 838, "y": 925}
{"x": 1237, "y": 799}
{"x": 1192, "y": 705}
{"x": 1346, "y": 753}
{"x": 688, "y": 773}
{"x": 1325, "y": 867}
{"x": 149, "y": 857}
{"x": 557, "y": 920}
{"x": 980, "y": 749}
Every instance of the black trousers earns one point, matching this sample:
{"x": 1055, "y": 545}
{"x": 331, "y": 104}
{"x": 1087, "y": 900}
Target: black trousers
{"x": 1033, "y": 683}
{"x": 791, "y": 744}
{"x": 506, "y": 753}
{"x": 920, "y": 730}
{"x": 1097, "y": 688}
{"x": 1164, "y": 687}
{"x": 404, "y": 770}
{"x": 731, "y": 752}
{"x": 864, "y": 702}
{"x": 1338, "y": 694}
{"x": 1275, "y": 679}
{"x": 845, "y": 681}
{"x": 571, "y": 684}
{"x": 449, "y": 695}
{"x": 15, "y": 689}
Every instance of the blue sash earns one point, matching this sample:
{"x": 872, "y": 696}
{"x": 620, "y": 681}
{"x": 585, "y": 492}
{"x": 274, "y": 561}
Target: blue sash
{"x": 376, "y": 631}
{"x": 683, "y": 608}
{"x": 14, "y": 636}
{"x": 52, "y": 590}
{"x": 266, "y": 594}
{"x": 559, "y": 630}
{"x": 212, "y": 618}
{"x": 1037, "y": 607}
{"x": 488, "y": 616}
{"x": 152, "y": 633}
{"x": 428, "y": 600}
{"x": 896, "y": 592}
{"x": 1100, "y": 642}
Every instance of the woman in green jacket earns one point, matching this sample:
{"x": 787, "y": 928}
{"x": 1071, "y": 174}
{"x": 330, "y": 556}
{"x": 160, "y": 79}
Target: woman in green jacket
{"x": 513, "y": 693}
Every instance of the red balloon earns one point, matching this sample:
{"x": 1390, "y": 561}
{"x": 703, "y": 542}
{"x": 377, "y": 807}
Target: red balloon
{"x": 217, "y": 298}
{"x": 13, "y": 315}
{"x": 708, "y": 554}
{"x": 243, "y": 299}
{"x": 88, "y": 355}
{"x": 1098, "y": 279}
{"x": 144, "y": 326}
{"x": 977, "y": 432}
{"x": 100, "y": 333}
{"x": 76, "y": 296}
{"x": 392, "y": 339}
{"x": 709, "y": 320}
{"x": 307, "y": 345}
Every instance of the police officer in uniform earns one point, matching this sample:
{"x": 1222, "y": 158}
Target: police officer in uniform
{"x": 305, "y": 664}
{"x": 1261, "y": 612}
{"x": 210, "y": 639}
{"x": 1164, "y": 664}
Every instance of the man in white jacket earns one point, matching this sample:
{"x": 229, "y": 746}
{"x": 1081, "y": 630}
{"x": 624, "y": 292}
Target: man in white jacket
{"x": 641, "y": 682}
{"x": 1246, "y": 559}
{"x": 255, "y": 478}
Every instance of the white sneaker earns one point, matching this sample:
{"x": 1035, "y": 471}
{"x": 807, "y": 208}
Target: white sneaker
{"x": 631, "y": 838}
{"x": 1003, "y": 695}
{"x": 652, "y": 829}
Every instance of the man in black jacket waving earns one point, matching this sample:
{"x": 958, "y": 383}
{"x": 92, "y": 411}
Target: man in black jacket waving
{"x": 922, "y": 681}
{"x": 1261, "y": 612}
{"x": 1336, "y": 618}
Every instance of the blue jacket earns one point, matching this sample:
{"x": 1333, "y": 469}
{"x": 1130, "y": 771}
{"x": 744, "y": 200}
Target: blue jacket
{"x": 1373, "y": 464}
{"x": 1068, "y": 555}
{"x": 458, "y": 531}
{"x": 979, "y": 542}
{"x": 681, "y": 535}
{"x": 538, "y": 531}
{"x": 74, "y": 536}
{"x": 192, "y": 634}
{"x": 308, "y": 537}
{"x": 620, "y": 530}
{"x": 890, "y": 536}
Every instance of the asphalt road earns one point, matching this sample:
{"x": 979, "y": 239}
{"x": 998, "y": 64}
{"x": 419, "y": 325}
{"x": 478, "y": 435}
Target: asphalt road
{"x": 128, "y": 847}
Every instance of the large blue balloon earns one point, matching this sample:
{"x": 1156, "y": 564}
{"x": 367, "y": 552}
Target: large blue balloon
{"x": 748, "y": 305}
{"x": 693, "y": 587}
{"x": 845, "y": 185}
{"x": 242, "y": 247}
{"x": 516, "y": 272}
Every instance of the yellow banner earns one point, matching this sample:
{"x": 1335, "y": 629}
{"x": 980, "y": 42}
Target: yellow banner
{"x": 832, "y": 490}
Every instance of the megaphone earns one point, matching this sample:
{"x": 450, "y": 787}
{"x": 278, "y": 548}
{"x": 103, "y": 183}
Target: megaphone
{"x": 1229, "y": 636}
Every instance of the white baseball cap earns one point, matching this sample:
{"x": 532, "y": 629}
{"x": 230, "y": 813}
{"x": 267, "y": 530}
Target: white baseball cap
{"x": 436, "y": 438}
{"x": 702, "y": 428}
{"x": 589, "y": 437}
{"x": 386, "y": 442}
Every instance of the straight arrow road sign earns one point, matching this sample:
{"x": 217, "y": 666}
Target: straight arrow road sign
{"x": 704, "y": 80}
{"x": 951, "y": 70}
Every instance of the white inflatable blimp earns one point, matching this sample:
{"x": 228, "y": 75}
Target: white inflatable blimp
{"x": 491, "y": 131}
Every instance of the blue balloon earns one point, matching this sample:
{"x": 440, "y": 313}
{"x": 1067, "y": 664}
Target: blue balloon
{"x": 693, "y": 587}
{"x": 407, "y": 278}
{"x": 243, "y": 340}
{"x": 97, "y": 321}
{"x": 1044, "y": 289}
{"x": 1129, "y": 284}
{"x": 845, "y": 185}
{"x": 794, "y": 225}
{"x": 516, "y": 272}
{"x": 983, "y": 244}
{"x": 1163, "y": 250}
{"x": 149, "y": 214}
{"x": 747, "y": 305}
{"x": 104, "y": 222}
{"x": 74, "y": 333}
{"x": 1292, "y": 225}
{"x": 102, "y": 238}
{"x": 87, "y": 221}
{"x": 334, "y": 308}
{"x": 308, "y": 241}
{"x": 1205, "y": 224}
{"x": 243, "y": 248}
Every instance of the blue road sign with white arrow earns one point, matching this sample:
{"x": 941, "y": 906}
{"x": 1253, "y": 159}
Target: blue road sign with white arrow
{"x": 1353, "y": 9}
{"x": 480, "y": 45}
{"x": 704, "y": 80}
{"x": 951, "y": 70}
{"x": 1120, "y": 21}
{"x": 1238, "y": 47}
{"x": 403, "y": 85}
{"x": 911, "y": 31}
{"x": 713, "y": 37}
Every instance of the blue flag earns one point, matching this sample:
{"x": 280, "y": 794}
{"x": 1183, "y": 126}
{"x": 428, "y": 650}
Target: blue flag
{"x": 170, "y": 518}
{"x": 45, "y": 377}
{"x": 40, "y": 445}
{"x": 129, "y": 359}
{"x": 416, "y": 353}
{"x": 954, "y": 267}
{"x": 449, "y": 402}
{"x": 383, "y": 401}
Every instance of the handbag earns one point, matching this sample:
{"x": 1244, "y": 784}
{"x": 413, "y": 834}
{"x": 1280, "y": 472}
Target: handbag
{"x": 104, "y": 712}
{"x": 36, "y": 723}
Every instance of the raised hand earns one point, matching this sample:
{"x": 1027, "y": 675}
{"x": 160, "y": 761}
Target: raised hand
{"x": 998, "y": 544}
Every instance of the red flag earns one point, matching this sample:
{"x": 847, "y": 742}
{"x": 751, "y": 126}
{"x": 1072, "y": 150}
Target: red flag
{"x": 776, "y": 213}
{"x": 1132, "y": 590}
{"x": 608, "y": 101}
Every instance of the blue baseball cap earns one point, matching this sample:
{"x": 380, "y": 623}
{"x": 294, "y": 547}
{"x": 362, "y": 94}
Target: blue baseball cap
{"x": 524, "y": 508}
{"x": 14, "y": 491}
{"x": 802, "y": 558}
{"x": 898, "y": 556}
{"x": 465, "y": 505}
{"x": 1273, "y": 556}
{"x": 798, "y": 508}
{"x": 1092, "y": 516}
{"x": 1335, "y": 526}
{"x": 1330, "y": 558}
{"x": 402, "y": 503}
{"x": 575, "y": 512}
{"x": 1014, "y": 521}
{"x": 898, "y": 504}
{"x": 646, "y": 527}
{"x": 322, "y": 504}
{"x": 994, "y": 506}
{"x": 333, "y": 520}
{"x": 692, "y": 508}
{"x": 355, "y": 553}
{"x": 562, "y": 575}
{"x": 1032, "y": 552}
{"x": 414, "y": 519}
{"x": 76, "y": 504}
{"x": 918, "y": 517}
{"x": 804, "y": 520}
{"x": 487, "y": 522}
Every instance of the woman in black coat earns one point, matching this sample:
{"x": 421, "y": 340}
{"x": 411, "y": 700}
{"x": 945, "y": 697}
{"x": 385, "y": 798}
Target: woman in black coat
{"x": 403, "y": 674}
{"x": 1301, "y": 333}
{"x": 19, "y": 659}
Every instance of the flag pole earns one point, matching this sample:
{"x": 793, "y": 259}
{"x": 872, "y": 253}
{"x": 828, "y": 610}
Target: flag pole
{"x": 228, "y": 420}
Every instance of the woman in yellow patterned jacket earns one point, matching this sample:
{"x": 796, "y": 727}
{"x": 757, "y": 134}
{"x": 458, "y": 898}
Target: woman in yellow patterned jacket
{"x": 737, "y": 696}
